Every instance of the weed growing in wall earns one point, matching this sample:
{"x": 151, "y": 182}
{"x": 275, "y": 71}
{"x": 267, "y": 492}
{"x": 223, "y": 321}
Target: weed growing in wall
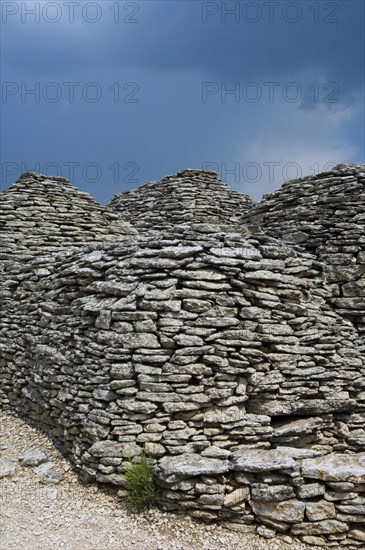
{"x": 139, "y": 483}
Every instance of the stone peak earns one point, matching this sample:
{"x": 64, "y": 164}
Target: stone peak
{"x": 40, "y": 177}
{"x": 349, "y": 166}
{"x": 195, "y": 172}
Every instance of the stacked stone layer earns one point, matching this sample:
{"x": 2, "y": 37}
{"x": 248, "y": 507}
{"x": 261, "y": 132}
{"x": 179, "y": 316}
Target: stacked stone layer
{"x": 319, "y": 498}
{"x": 216, "y": 348}
{"x": 41, "y": 214}
{"x": 325, "y": 214}
{"x": 201, "y": 346}
{"x": 185, "y": 198}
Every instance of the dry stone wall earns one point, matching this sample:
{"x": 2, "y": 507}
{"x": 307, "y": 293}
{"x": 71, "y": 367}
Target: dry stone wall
{"x": 41, "y": 214}
{"x": 217, "y": 353}
{"x": 215, "y": 348}
{"x": 185, "y": 198}
{"x": 325, "y": 214}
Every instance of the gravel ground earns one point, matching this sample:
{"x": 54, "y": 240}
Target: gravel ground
{"x": 71, "y": 516}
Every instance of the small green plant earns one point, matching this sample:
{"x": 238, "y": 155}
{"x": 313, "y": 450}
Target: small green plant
{"x": 139, "y": 483}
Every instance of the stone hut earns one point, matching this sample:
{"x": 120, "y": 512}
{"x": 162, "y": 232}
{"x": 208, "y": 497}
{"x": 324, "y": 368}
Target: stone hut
{"x": 188, "y": 197}
{"x": 218, "y": 349}
{"x": 42, "y": 214}
{"x": 325, "y": 215}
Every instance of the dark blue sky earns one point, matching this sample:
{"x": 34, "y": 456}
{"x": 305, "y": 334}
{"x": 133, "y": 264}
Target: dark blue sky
{"x": 127, "y": 92}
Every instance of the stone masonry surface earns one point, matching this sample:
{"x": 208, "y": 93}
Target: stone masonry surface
{"x": 38, "y": 515}
{"x": 217, "y": 346}
{"x": 325, "y": 214}
{"x": 190, "y": 196}
{"x": 41, "y": 214}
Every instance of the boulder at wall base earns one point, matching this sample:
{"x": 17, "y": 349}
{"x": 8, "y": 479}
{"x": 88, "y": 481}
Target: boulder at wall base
{"x": 326, "y": 527}
{"x": 288, "y": 511}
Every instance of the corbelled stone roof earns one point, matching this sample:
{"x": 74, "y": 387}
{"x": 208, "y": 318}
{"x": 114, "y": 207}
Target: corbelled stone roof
{"x": 43, "y": 214}
{"x": 188, "y": 197}
{"x": 325, "y": 215}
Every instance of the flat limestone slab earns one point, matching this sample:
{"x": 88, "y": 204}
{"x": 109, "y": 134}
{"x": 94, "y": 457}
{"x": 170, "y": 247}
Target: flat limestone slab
{"x": 336, "y": 467}
{"x": 257, "y": 460}
{"x": 192, "y": 465}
